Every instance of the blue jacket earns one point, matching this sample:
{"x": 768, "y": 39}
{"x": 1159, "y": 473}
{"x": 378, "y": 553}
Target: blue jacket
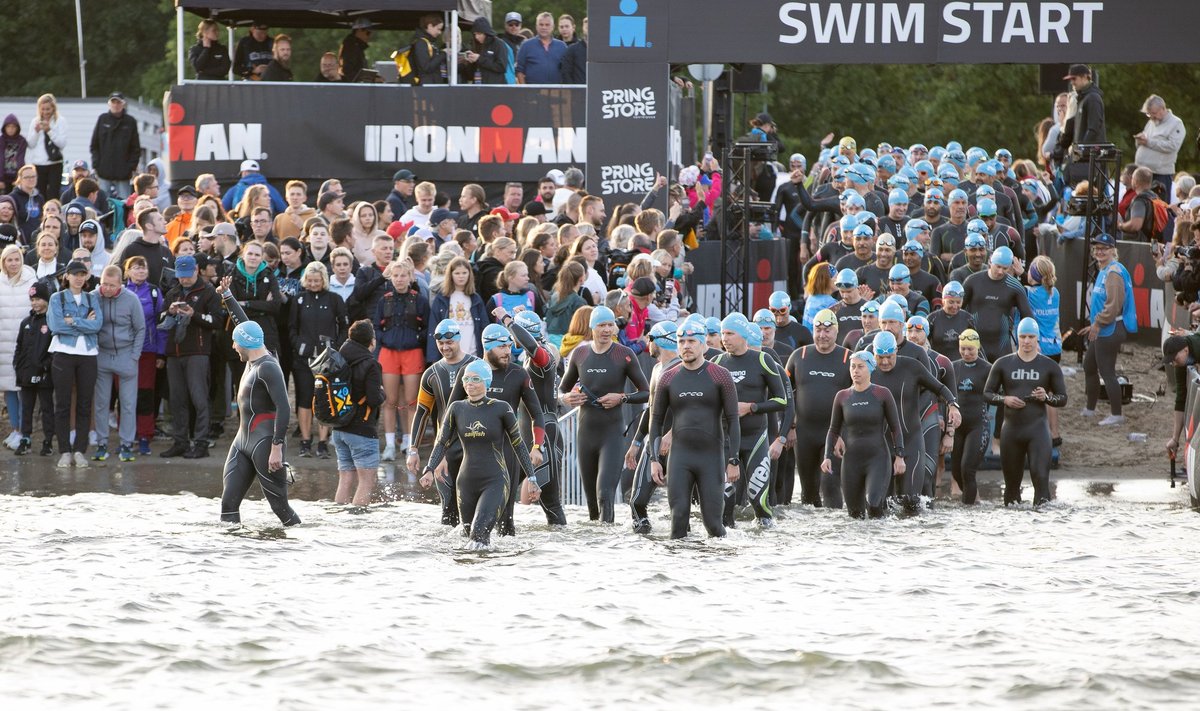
{"x": 440, "y": 309}
{"x": 234, "y": 195}
{"x": 402, "y": 320}
{"x": 152, "y": 300}
{"x": 62, "y": 304}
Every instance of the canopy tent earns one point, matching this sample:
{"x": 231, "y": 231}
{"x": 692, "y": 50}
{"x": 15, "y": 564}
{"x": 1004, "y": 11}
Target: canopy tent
{"x": 387, "y": 14}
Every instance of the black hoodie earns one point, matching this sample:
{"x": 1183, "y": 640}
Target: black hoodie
{"x": 493, "y": 55}
{"x": 366, "y": 389}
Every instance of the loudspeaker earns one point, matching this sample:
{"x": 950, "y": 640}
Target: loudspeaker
{"x": 1050, "y": 78}
{"x": 722, "y": 114}
{"x": 747, "y": 79}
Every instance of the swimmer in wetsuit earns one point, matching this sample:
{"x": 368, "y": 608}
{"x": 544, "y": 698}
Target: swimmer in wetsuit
{"x": 257, "y": 450}
{"x": 663, "y": 349}
{"x": 816, "y": 374}
{"x": 1025, "y": 383}
{"x": 867, "y": 423}
{"x": 509, "y": 384}
{"x": 937, "y": 438}
{"x": 433, "y": 397}
{"x": 700, "y": 396}
{"x": 482, "y": 425}
{"x": 595, "y": 383}
{"x": 712, "y": 337}
{"x": 972, "y": 434}
{"x": 948, "y": 322}
{"x": 760, "y": 391}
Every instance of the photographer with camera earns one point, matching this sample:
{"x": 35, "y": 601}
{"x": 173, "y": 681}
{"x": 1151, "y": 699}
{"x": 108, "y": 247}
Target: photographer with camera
{"x": 1186, "y": 260}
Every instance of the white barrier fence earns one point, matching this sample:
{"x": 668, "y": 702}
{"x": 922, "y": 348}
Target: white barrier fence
{"x": 570, "y": 483}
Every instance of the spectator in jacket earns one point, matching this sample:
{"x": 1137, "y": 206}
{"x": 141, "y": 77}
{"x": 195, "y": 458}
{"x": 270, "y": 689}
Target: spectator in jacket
{"x": 315, "y": 238}
{"x": 329, "y": 72}
{"x": 13, "y": 147}
{"x": 369, "y": 281}
{"x": 513, "y": 35}
{"x": 401, "y": 319}
{"x": 151, "y": 245}
{"x": 401, "y": 197}
{"x": 31, "y": 365}
{"x": 75, "y": 320}
{"x": 252, "y": 175}
{"x": 352, "y": 55}
{"x": 457, "y": 300}
{"x": 1159, "y": 142}
{"x": 499, "y": 253}
{"x": 280, "y": 66}
{"x": 539, "y": 59}
{"x": 565, "y": 300}
{"x": 189, "y": 323}
{"x": 15, "y": 282}
{"x": 490, "y": 55}
{"x": 255, "y": 289}
{"x": 357, "y": 444}
{"x": 290, "y": 222}
{"x": 209, "y": 57}
{"x": 427, "y": 58}
{"x": 152, "y": 354}
{"x": 515, "y": 292}
{"x": 1086, "y": 126}
{"x": 116, "y": 148}
{"x": 253, "y": 52}
{"x": 46, "y": 261}
{"x": 79, "y": 171}
{"x": 317, "y": 315}
{"x": 574, "y": 62}
{"x": 29, "y": 200}
{"x": 342, "y": 279}
{"x": 46, "y": 144}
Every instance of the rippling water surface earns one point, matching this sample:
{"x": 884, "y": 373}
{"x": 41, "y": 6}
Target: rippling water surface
{"x": 144, "y": 601}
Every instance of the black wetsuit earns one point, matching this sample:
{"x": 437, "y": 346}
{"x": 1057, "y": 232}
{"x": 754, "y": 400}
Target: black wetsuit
{"x": 484, "y": 480}
{"x": 906, "y": 380}
{"x": 541, "y": 363}
{"x": 933, "y": 420}
{"x": 793, "y": 334}
{"x": 971, "y": 438}
{"x": 875, "y": 277}
{"x": 1026, "y": 431}
{"x": 760, "y": 382}
{"x": 945, "y": 329}
{"x": 815, "y": 378}
{"x": 511, "y": 386}
{"x": 263, "y": 413}
{"x": 869, "y": 424}
{"x": 849, "y": 316}
{"x": 601, "y": 430}
{"x": 437, "y": 382}
{"x": 699, "y": 401}
{"x": 643, "y": 485}
{"x": 991, "y": 302}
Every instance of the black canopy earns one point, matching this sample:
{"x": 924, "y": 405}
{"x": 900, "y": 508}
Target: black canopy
{"x": 387, "y": 14}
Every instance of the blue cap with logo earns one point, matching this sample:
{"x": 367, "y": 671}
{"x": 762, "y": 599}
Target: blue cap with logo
{"x": 975, "y": 241}
{"x": 185, "y": 267}
{"x": 248, "y": 334}
{"x": 987, "y": 207}
{"x": 899, "y": 180}
{"x": 662, "y": 334}
{"x": 600, "y": 315}
{"x": 871, "y": 308}
{"x": 866, "y": 357}
{"x": 953, "y": 288}
{"x": 764, "y": 319}
{"x": 779, "y": 300}
{"x": 712, "y": 325}
{"x": 914, "y": 246}
{"x": 691, "y": 328}
{"x": 846, "y": 279}
{"x": 935, "y": 196}
{"x": 1028, "y": 327}
{"x": 897, "y": 197}
{"x": 864, "y": 231}
{"x": 884, "y": 343}
{"x": 899, "y": 272}
{"x": 1104, "y": 239}
{"x": 495, "y": 336}
{"x": 915, "y": 227}
{"x": 985, "y": 191}
{"x": 447, "y": 330}
{"x": 737, "y": 323}
{"x": 529, "y": 321}
{"x": 891, "y": 311}
{"x": 977, "y": 227}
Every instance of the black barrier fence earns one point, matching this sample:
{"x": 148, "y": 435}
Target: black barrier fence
{"x": 1189, "y": 452}
{"x": 768, "y": 272}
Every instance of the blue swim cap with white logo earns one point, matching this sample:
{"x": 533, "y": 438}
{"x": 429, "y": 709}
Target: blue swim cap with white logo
{"x": 779, "y": 300}
{"x": 899, "y": 272}
{"x": 248, "y": 334}
{"x": 691, "y": 328}
{"x": 846, "y": 279}
{"x": 447, "y": 329}
{"x": 494, "y": 336}
{"x": 530, "y": 321}
{"x": 884, "y": 343}
{"x": 1003, "y": 256}
{"x": 953, "y": 288}
{"x": 764, "y": 318}
{"x": 738, "y": 323}
{"x": 897, "y": 197}
{"x": 662, "y": 334}
{"x": 977, "y": 226}
{"x": 712, "y": 325}
{"x": 891, "y": 311}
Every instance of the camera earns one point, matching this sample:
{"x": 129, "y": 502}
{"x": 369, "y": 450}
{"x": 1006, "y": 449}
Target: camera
{"x": 1077, "y": 206}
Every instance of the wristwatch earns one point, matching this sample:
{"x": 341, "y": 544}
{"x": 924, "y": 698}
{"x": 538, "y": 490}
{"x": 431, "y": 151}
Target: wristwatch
{"x": 412, "y": 450}
{"x": 277, "y": 440}
{"x": 733, "y": 462}
{"x": 535, "y": 446}
{"x": 624, "y": 399}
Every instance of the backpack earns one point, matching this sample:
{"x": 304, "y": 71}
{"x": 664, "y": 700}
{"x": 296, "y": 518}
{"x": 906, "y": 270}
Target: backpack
{"x": 404, "y": 64}
{"x": 1161, "y": 215}
{"x": 332, "y": 403}
{"x": 510, "y": 65}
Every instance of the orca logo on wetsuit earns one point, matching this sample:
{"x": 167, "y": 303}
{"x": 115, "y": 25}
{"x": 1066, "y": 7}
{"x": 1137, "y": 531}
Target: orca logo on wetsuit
{"x": 859, "y": 404}
{"x": 597, "y": 370}
{"x": 822, "y": 373}
{"x": 1025, "y": 374}
{"x": 691, "y": 394}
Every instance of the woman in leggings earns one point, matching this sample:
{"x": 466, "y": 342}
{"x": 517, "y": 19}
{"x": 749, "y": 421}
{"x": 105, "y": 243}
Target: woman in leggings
{"x": 1113, "y": 317}
{"x": 971, "y": 435}
{"x": 867, "y": 422}
{"x": 595, "y": 383}
{"x": 481, "y": 424}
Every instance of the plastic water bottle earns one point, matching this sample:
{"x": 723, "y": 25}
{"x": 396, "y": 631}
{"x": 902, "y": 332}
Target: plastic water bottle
{"x": 1137, "y": 436}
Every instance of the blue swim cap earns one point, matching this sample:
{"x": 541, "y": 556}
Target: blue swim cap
{"x": 891, "y": 311}
{"x": 691, "y": 328}
{"x": 1002, "y": 153}
{"x": 987, "y": 207}
{"x": 958, "y": 194}
{"x": 529, "y": 321}
{"x": 884, "y": 343}
{"x": 918, "y": 322}
{"x": 855, "y": 200}
{"x": 737, "y": 322}
{"x": 923, "y": 166}
{"x": 866, "y": 357}
{"x": 848, "y": 223}
{"x": 935, "y": 195}
{"x": 908, "y": 172}
{"x": 860, "y": 174}
{"x": 915, "y": 227}
{"x": 867, "y": 153}
{"x": 899, "y": 181}
{"x": 248, "y": 334}
{"x": 977, "y": 226}
{"x": 779, "y": 300}
{"x": 887, "y": 162}
{"x": 989, "y": 168}
{"x": 662, "y": 334}
{"x": 975, "y": 154}
{"x": 897, "y": 197}
{"x": 957, "y": 158}
{"x": 712, "y": 325}
{"x": 953, "y": 288}
{"x": 494, "y": 336}
{"x": 918, "y": 147}
{"x": 763, "y": 318}
{"x": 480, "y": 368}
{"x": 864, "y": 231}
{"x": 871, "y": 308}
{"x": 1002, "y": 256}
{"x": 937, "y": 153}
{"x": 602, "y": 314}
{"x": 947, "y": 172}
{"x": 846, "y": 279}
{"x": 447, "y": 330}
{"x": 985, "y": 191}
{"x": 953, "y": 146}
{"x": 913, "y": 245}
{"x": 975, "y": 241}
{"x": 899, "y": 272}
{"x": 1028, "y": 327}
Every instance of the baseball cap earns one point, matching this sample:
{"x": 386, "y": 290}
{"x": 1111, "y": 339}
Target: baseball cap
{"x": 116, "y": 96}
{"x": 440, "y": 214}
{"x": 404, "y": 174}
{"x": 8, "y": 234}
{"x": 1170, "y": 347}
{"x": 89, "y": 226}
{"x": 533, "y": 208}
{"x": 327, "y": 198}
{"x": 642, "y": 286}
{"x": 1078, "y": 70}
{"x": 559, "y": 177}
{"x": 224, "y": 228}
{"x": 512, "y": 17}
{"x": 188, "y": 190}
{"x": 185, "y": 266}
{"x": 1104, "y": 239}
{"x": 80, "y": 165}
{"x": 504, "y": 213}
{"x": 75, "y": 267}
{"x": 249, "y": 165}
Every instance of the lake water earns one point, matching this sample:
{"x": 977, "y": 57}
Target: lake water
{"x": 145, "y": 601}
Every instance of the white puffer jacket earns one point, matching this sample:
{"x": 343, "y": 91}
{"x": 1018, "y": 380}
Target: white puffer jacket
{"x": 14, "y": 307}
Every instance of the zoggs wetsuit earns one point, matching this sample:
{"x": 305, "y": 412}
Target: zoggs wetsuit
{"x": 263, "y": 415}
{"x": 816, "y": 378}
{"x": 906, "y": 380}
{"x": 1026, "y": 430}
{"x": 972, "y": 436}
{"x": 541, "y": 364}
{"x": 484, "y": 480}
{"x": 511, "y": 386}
{"x": 760, "y": 383}
{"x": 601, "y": 430}
{"x": 437, "y": 382}
{"x": 869, "y": 424}
{"x": 699, "y": 401}
{"x": 643, "y": 485}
